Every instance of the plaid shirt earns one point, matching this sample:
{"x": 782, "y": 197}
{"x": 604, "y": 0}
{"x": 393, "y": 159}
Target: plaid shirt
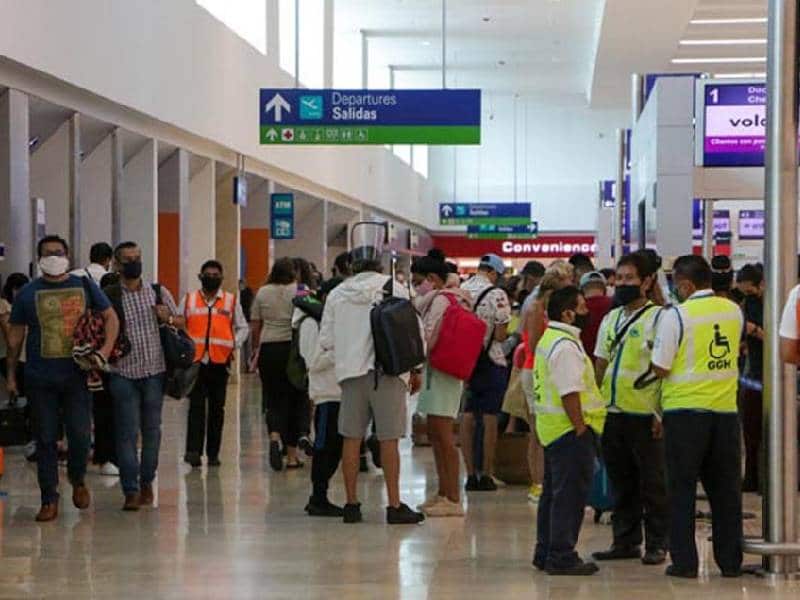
{"x": 146, "y": 358}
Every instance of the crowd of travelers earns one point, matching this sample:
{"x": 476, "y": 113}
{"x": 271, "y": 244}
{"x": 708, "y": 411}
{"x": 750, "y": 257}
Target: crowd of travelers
{"x": 633, "y": 377}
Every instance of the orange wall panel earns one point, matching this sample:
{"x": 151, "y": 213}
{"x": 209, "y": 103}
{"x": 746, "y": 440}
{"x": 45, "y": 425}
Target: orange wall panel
{"x": 169, "y": 245}
{"x": 255, "y": 247}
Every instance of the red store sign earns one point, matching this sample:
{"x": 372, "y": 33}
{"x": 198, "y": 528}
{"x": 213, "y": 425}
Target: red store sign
{"x": 545, "y": 246}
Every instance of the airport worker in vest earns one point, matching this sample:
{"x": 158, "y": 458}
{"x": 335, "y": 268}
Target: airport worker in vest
{"x": 633, "y": 444}
{"x": 695, "y": 354}
{"x": 570, "y": 414}
{"x": 215, "y": 322}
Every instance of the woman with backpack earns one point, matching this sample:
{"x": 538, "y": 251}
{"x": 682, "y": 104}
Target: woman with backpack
{"x": 440, "y": 398}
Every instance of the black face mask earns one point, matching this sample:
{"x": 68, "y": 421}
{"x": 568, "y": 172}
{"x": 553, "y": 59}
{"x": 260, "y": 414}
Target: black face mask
{"x": 210, "y": 283}
{"x": 581, "y": 321}
{"x": 132, "y": 270}
{"x": 625, "y": 294}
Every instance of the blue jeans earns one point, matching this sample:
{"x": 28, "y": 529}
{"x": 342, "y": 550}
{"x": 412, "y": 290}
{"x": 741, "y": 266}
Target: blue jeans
{"x": 137, "y": 407}
{"x": 51, "y": 402}
{"x": 568, "y": 470}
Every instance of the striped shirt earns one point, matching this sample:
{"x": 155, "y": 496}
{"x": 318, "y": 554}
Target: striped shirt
{"x": 146, "y": 358}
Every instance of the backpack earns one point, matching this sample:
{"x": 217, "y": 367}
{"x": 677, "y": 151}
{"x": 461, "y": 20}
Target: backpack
{"x": 460, "y": 341}
{"x": 296, "y": 367}
{"x": 178, "y": 347}
{"x": 399, "y": 346}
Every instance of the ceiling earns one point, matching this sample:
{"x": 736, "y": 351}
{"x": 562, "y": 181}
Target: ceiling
{"x": 548, "y": 49}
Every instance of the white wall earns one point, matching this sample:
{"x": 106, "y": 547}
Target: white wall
{"x": 562, "y": 153}
{"x": 95, "y": 196}
{"x": 173, "y": 62}
{"x": 50, "y": 181}
{"x": 202, "y": 212}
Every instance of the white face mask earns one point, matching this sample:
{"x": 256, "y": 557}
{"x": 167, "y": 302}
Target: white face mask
{"x": 54, "y": 266}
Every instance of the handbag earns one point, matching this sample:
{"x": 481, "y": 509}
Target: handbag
{"x": 178, "y": 346}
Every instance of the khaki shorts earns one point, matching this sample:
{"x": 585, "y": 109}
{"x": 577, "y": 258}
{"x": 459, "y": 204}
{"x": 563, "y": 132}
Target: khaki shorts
{"x": 386, "y": 405}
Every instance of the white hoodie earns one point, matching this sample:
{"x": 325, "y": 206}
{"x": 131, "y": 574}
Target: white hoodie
{"x": 345, "y": 333}
{"x": 322, "y": 384}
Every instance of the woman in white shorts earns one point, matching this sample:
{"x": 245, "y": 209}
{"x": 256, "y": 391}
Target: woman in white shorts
{"x": 440, "y": 398}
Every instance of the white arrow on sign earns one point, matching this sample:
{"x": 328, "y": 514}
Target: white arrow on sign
{"x": 447, "y": 210}
{"x": 272, "y": 135}
{"x": 278, "y": 104}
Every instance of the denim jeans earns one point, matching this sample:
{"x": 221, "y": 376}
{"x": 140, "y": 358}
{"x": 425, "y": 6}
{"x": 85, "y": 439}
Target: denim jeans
{"x": 52, "y": 401}
{"x": 137, "y": 407}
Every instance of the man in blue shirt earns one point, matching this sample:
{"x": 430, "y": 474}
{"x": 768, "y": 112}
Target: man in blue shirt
{"x": 49, "y": 308}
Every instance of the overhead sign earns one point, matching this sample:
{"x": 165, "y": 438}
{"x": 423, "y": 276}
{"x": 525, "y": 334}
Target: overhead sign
{"x": 721, "y": 224}
{"x": 609, "y": 195}
{"x": 734, "y": 124}
{"x": 546, "y": 246}
{"x": 503, "y": 232}
{"x": 281, "y": 216}
{"x": 301, "y": 116}
{"x": 463, "y": 213}
{"x": 751, "y": 224}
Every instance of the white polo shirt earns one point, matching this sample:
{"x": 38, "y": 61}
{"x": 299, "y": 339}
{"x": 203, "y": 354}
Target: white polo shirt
{"x": 567, "y": 362}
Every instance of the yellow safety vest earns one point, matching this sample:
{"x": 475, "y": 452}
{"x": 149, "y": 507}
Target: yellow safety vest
{"x": 552, "y": 421}
{"x": 704, "y": 374}
{"x": 629, "y": 360}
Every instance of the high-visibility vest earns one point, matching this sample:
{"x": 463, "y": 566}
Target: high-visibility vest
{"x": 629, "y": 360}
{"x": 211, "y": 327}
{"x": 552, "y": 421}
{"x": 705, "y": 373}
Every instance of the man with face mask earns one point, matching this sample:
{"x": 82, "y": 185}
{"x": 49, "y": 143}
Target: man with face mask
{"x": 50, "y": 307}
{"x": 695, "y": 354}
{"x": 633, "y": 447}
{"x": 137, "y": 381}
{"x": 215, "y": 322}
{"x": 569, "y": 417}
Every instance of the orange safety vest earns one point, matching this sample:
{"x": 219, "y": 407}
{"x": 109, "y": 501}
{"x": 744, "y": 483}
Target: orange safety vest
{"x": 211, "y": 326}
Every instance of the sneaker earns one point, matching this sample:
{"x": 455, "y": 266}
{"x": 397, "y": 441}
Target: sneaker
{"x": 430, "y": 502}
{"x": 654, "y": 557}
{"x": 323, "y": 508}
{"x": 306, "y": 446}
{"x": 578, "y": 569}
{"x": 275, "y": 456}
{"x": 444, "y": 508}
{"x": 618, "y": 553}
{"x": 374, "y": 447}
{"x": 472, "y": 484}
{"x": 109, "y": 470}
{"x": 352, "y": 513}
{"x": 403, "y": 515}
{"x": 193, "y": 458}
{"x": 535, "y": 493}
{"x": 486, "y": 484}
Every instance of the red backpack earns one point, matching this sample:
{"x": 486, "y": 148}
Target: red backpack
{"x": 460, "y": 341}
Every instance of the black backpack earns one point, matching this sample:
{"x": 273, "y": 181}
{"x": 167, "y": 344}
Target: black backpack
{"x": 395, "y": 332}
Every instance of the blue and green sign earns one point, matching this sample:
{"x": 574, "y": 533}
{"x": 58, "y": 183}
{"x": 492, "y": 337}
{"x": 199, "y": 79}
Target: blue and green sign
{"x": 281, "y": 216}
{"x": 485, "y": 213}
{"x": 291, "y": 116}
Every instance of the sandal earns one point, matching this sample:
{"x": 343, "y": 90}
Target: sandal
{"x": 297, "y": 465}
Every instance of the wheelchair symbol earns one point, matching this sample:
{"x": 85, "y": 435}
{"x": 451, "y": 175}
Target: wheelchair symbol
{"x": 719, "y": 347}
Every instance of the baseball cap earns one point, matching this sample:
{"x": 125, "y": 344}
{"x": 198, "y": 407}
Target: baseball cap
{"x": 494, "y": 262}
{"x": 592, "y": 277}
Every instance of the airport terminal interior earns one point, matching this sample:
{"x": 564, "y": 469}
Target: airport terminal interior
{"x": 284, "y": 286}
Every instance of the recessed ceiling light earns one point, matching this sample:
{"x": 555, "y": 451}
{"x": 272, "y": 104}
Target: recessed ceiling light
{"x": 502, "y": 63}
{"x": 739, "y": 21}
{"x": 726, "y": 42}
{"x": 719, "y": 60}
{"x": 740, "y": 75}
{"x": 486, "y": 19}
{"x": 425, "y": 42}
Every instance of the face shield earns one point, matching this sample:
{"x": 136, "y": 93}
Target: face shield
{"x": 367, "y": 241}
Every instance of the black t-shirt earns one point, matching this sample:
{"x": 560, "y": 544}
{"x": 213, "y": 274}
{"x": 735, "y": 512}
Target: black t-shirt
{"x": 754, "y": 313}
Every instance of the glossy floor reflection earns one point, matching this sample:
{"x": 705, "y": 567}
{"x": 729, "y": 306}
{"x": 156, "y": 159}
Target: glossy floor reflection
{"x": 240, "y": 532}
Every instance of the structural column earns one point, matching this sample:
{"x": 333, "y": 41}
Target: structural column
{"x": 200, "y": 234}
{"x": 139, "y": 213}
{"x": 16, "y": 227}
{"x": 74, "y": 168}
{"x": 228, "y": 231}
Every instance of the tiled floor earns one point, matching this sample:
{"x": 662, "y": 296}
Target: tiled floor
{"x": 240, "y": 532}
